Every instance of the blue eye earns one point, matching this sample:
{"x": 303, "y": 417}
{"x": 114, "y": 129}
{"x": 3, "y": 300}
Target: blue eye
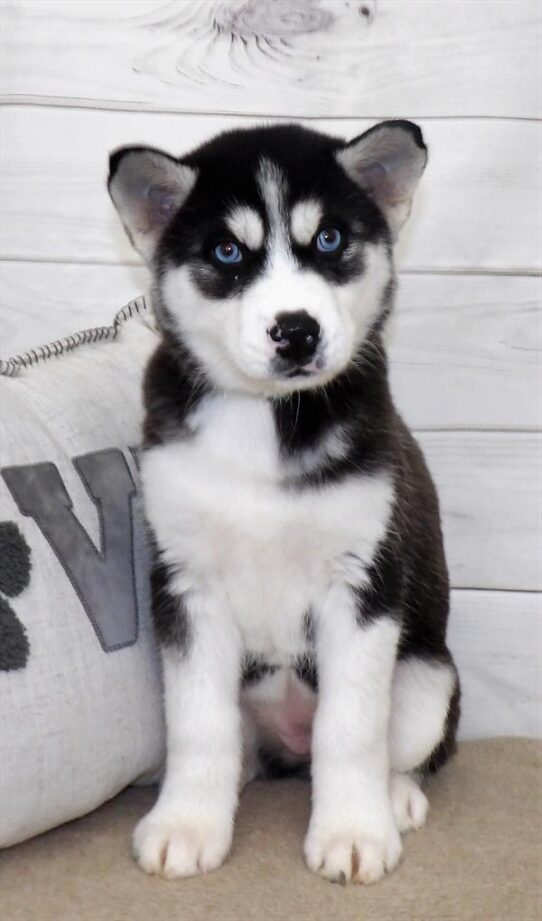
{"x": 228, "y": 253}
{"x": 328, "y": 240}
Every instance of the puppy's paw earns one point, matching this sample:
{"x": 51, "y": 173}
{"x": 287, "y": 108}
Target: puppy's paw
{"x": 171, "y": 848}
{"x": 352, "y": 857}
{"x": 409, "y": 803}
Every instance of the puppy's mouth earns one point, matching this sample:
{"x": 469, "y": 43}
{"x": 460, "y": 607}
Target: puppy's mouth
{"x": 299, "y": 372}
{"x": 287, "y": 370}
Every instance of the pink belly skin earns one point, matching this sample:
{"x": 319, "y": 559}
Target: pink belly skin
{"x": 290, "y": 719}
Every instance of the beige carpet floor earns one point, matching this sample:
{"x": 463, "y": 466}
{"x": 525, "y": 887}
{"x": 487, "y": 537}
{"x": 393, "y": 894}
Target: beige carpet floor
{"x": 479, "y": 858}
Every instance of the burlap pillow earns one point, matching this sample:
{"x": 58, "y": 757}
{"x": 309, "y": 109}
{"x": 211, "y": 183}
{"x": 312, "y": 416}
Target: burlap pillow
{"x": 79, "y": 674}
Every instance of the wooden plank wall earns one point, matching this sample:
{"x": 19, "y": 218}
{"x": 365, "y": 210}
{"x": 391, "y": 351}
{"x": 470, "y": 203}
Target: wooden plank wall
{"x": 81, "y": 78}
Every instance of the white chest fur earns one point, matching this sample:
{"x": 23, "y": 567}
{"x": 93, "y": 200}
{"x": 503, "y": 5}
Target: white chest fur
{"x": 265, "y": 553}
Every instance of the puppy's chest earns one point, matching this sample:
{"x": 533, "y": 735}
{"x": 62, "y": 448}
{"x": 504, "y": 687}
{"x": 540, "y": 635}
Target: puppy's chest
{"x": 220, "y": 506}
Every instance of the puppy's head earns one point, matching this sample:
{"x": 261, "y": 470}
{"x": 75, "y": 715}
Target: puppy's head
{"x": 271, "y": 247}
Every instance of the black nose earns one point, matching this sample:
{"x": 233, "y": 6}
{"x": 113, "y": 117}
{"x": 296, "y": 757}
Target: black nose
{"x": 296, "y": 335}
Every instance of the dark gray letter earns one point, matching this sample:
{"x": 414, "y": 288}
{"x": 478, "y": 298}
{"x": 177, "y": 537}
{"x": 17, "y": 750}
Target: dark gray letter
{"x": 103, "y": 578}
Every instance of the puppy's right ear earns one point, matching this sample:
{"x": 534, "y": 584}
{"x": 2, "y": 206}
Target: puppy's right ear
{"x": 147, "y": 187}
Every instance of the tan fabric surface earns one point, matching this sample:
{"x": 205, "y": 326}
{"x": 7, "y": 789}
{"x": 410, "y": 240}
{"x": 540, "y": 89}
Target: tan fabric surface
{"x": 478, "y": 858}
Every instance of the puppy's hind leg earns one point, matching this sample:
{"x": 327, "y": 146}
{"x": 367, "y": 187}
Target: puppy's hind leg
{"x": 423, "y": 723}
{"x": 409, "y": 803}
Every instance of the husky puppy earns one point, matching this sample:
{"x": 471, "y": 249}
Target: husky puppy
{"x": 300, "y": 591}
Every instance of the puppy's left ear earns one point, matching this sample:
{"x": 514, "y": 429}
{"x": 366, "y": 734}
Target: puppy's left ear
{"x": 387, "y": 162}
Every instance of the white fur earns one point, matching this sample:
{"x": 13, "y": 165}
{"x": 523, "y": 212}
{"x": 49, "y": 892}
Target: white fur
{"x": 421, "y": 697}
{"x": 247, "y": 226}
{"x": 274, "y": 189}
{"x": 232, "y": 336}
{"x": 305, "y": 220}
{"x": 189, "y": 830}
{"x": 252, "y": 557}
{"x": 409, "y": 803}
{"x": 331, "y": 448}
{"x": 264, "y": 552}
{"x": 352, "y": 832}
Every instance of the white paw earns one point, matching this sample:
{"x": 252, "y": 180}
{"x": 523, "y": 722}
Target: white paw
{"x": 346, "y": 856}
{"x": 164, "y": 845}
{"x": 409, "y": 803}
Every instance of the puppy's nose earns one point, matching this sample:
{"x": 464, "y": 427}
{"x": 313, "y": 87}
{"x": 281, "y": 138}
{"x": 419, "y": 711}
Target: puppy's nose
{"x": 297, "y": 335}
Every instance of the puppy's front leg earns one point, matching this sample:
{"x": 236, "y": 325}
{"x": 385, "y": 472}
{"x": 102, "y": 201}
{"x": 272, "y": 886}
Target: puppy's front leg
{"x": 352, "y": 833}
{"x": 189, "y": 830}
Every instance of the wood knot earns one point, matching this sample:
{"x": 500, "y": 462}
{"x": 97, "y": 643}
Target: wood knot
{"x": 272, "y": 18}
{"x": 366, "y": 12}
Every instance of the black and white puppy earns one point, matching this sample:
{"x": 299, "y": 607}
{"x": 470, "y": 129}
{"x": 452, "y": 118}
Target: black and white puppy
{"x": 300, "y": 588}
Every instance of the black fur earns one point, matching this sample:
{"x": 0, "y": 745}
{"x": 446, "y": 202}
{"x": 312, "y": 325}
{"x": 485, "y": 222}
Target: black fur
{"x": 358, "y": 401}
{"x": 306, "y": 671}
{"x": 171, "y": 620}
{"x": 253, "y": 669}
{"x": 275, "y": 766}
{"x": 227, "y": 169}
{"x": 308, "y": 627}
{"x": 408, "y": 576}
{"x": 448, "y": 745}
{"x": 173, "y": 386}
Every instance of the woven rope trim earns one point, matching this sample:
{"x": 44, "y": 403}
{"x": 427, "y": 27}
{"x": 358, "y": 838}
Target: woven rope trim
{"x": 12, "y": 366}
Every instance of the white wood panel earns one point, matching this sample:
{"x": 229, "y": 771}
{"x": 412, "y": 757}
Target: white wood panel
{"x": 465, "y": 350}
{"x": 477, "y": 206}
{"x": 496, "y": 638}
{"x": 491, "y": 505}
{"x": 44, "y": 301}
{"x": 285, "y": 57}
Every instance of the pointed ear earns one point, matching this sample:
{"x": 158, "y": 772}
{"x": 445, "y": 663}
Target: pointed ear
{"x": 387, "y": 162}
{"x": 147, "y": 187}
